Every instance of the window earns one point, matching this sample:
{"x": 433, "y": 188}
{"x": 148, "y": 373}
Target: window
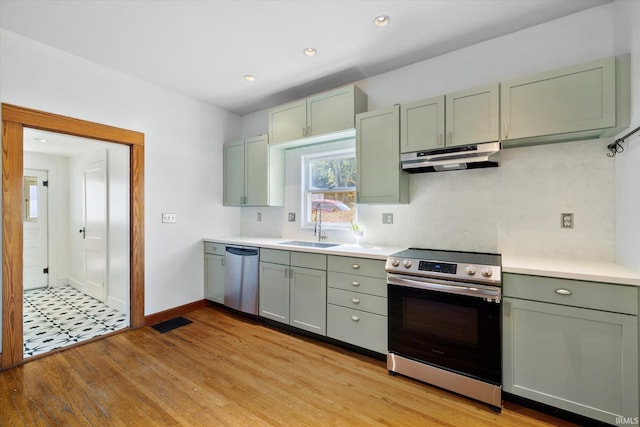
{"x": 30, "y": 193}
{"x": 329, "y": 187}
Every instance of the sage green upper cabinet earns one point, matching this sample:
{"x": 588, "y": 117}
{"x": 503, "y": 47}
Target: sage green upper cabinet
{"x": 473, "y": 116}
{"x": 422, "y": 125}
{"x": 577, "y": 102}
{"x": 380, "y": 178}
{"x": 253, "y": 173}
{"x": 462, "y": 118}
{"x": 320, "y": 114}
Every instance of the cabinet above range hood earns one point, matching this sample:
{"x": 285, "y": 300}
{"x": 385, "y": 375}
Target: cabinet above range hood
{"x": 453, "y": 158}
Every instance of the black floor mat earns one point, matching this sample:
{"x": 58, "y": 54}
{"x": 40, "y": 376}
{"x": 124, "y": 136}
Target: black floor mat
{"x": 171, "y": 324}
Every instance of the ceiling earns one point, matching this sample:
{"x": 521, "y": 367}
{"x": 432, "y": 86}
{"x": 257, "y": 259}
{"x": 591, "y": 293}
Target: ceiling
{"x": 203, "y": 48}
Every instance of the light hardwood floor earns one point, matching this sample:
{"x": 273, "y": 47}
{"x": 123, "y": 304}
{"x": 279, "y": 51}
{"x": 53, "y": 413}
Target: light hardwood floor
{"x": 223, "y": 370}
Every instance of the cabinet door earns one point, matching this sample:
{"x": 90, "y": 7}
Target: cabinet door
{"x": 572, "y": 99}
{"x": 584, "y": 361}
{"x": 233, "y": 178}
{"x": 366, "y": 330}
{"x": 214, "y": 277}
{"x": 256, "y": 156}
{"x": 288, "y": 122}
{"x": 331, "y": 111}
{"x": 380, "y": 178}
{"x": 422, "y": 125}
{"x": 473, "y": 116}
{"x": 274, "y": 292}
{"x": 309, "y": 299}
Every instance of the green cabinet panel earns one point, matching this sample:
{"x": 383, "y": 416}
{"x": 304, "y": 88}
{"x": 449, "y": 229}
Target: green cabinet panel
{"x": 473, "y": 116}
{"x": 308, "y": 299}
{"x": 253, "y": 173}
{"x": 309, "y": 260}
{"x": 359, "y": 266}
{"x": 214, "y": 277}
{"x": 422, "y": 125}
{"x": 275, "y": 256}
{"x": 324, "y": 113}
{"x": 380, "y": 177}
{"x": 366, "y": 330}
{"x": 570, "y": 100}
{"x": 274, "y": 292}
{"x": 582, "y": 360}
{"x": 357, "y": 301}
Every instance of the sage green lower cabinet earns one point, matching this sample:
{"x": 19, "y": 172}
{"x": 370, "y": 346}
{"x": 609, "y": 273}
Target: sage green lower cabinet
{"x": 572, "y": 344}
{"x": 357, "y": 302}
{"x": 293, "y": 289}
{"x": 214, "y": 271}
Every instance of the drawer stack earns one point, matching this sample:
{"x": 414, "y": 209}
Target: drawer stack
{"x": 357, "y": 302}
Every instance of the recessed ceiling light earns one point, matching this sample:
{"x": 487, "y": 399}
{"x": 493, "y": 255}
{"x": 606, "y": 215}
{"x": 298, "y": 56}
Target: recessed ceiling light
{"x": 310, "y": 51}
{"x": 249, "y": 77}
{"x": 40, "y": 139}
{"x": 381, "y": 20}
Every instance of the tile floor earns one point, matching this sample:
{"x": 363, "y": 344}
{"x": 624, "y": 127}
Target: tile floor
{"x": 55, "y": 317}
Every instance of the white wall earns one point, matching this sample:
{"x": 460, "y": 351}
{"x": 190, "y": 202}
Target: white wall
{"x": 627, "y": 164}
{"x": 183, "y": 152}
{"x": 515, "y": 208}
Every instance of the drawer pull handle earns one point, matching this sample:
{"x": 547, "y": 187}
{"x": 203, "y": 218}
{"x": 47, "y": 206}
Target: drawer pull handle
{"x": 355, "y": 266}
{"x": 355, "y": 300}
{"x": 563, "y": 292}
{"x": 355, "y": 283}
{"x": 355, "y": 318}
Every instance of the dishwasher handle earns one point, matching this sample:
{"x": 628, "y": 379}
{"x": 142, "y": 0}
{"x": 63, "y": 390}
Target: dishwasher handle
{"x": 242, "y": 251}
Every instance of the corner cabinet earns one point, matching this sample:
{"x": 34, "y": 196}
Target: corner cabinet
{"x": 320, "y": 114}
{"x": 572, "y": 344}
{"x": 214, "y": 271}
{"x": 579, "y": 102}
{"x": 379, "y": 175}
{"x": 462, "y": 118}
{"x": 293, "y": 289}
{"x": 253, "y": 173}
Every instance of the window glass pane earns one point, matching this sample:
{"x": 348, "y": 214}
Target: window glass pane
{"x": 332, "y": 173}
{"x": 336, "y": 208}
{"x": 30, "y": 192}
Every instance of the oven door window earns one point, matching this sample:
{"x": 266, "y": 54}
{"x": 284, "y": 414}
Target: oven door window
{"x": 455, "y": 332}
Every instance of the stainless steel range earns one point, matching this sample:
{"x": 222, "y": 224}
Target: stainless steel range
{"x": 444, "y": 320}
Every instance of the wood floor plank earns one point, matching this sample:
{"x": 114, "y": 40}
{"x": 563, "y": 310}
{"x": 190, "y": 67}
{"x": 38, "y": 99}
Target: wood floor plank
{"x": 226, "y": 370}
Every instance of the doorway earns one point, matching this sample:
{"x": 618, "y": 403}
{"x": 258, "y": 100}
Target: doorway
{"x": 14, "y": 120}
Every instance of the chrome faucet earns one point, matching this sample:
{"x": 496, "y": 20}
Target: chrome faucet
{"x": 317, "y": 229}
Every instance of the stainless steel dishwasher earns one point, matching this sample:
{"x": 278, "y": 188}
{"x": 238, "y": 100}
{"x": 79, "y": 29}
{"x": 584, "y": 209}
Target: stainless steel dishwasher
{"x": 241, "y": 278}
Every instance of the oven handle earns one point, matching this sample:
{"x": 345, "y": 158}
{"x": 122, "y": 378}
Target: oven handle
{"x": 490, "y": 294}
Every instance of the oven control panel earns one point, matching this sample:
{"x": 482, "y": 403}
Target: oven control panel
{"x": 438, "y": 267}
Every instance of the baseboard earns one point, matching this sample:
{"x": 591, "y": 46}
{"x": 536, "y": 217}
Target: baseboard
{"x": 119, "y": 305}
{"x": 161, "y": 316}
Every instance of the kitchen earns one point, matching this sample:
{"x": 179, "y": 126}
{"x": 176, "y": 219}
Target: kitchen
{"x": 524, "y": 213}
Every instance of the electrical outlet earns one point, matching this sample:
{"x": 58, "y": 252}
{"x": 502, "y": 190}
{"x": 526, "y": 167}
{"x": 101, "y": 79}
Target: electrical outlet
{"x": 168, "y": 217}
{"x": 259, "y": 216}
{"x": 566, "y": 220}
{"x": 292, "y": 217}
{"x": 387, "y": 218}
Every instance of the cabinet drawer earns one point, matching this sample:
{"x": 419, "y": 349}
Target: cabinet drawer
{"x": 357, "y": 301}
{"x": 360, "y": 266}
{"x": 308, "y": 260}
{"x": 214, "y": 248}
{"x": 577, "y": 293}
{"x": 353, "y": 282}
{"x": 274, "y": 256}
{"x": 357, "y": 327}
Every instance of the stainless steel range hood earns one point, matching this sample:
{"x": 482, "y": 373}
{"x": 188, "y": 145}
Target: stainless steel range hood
{"x": 454, "y": 158}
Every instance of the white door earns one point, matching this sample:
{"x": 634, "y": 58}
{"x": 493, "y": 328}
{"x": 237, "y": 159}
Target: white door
{"x": 94, "y": 230}
{"x": 35, "y": 230}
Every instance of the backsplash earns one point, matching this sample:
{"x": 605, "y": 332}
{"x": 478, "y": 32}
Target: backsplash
{"x": 514, "y": 208}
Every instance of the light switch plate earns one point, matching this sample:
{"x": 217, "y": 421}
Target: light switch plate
{"x": 168, "y": 217}
{"x": 387, "y": 218}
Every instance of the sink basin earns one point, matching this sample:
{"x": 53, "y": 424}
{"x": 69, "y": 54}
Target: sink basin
{"x": 310, "y": 244}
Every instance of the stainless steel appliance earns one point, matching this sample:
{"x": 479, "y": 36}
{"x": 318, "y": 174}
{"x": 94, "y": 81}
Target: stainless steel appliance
{"x": 444, "y": 320}
{"x": 241, "y": 278}
{"x": 452, "y": 158}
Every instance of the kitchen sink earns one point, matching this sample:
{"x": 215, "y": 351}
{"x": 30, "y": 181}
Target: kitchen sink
{"x": 310, "y": 244}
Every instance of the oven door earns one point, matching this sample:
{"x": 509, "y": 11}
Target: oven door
{"x": 459, "y": 331}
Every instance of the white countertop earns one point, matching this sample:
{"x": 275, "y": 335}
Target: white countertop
{"x": 607, "y": 272}
{"x": 359, "y": 251}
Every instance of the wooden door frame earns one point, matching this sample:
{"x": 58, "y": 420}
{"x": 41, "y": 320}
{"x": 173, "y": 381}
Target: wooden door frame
{"x": 14, "y": 120}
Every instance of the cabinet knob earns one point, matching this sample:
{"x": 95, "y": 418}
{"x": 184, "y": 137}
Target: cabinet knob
{"x": 355, "y": 266}
{"x": 563, "y": 292}
{"x": 355, "y": 283}
{"x": 355, "y": 300}
{"x": 355, "y": 318}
